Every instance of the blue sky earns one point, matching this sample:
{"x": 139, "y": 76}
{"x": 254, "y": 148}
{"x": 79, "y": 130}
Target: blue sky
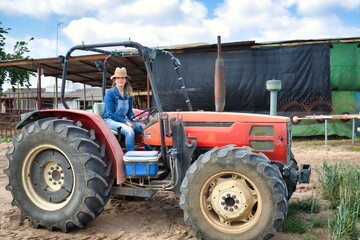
{"x": 173, "y": 22}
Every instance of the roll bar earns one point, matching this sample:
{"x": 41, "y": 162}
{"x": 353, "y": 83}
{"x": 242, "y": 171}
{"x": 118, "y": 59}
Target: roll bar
{"x": 148, "y": 55}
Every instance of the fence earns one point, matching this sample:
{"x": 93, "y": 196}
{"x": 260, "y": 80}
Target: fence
{"x": 12, "y": 105}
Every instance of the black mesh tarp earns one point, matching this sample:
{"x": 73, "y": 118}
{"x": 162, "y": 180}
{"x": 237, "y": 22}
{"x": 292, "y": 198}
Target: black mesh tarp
{"x": 303, "y": 70}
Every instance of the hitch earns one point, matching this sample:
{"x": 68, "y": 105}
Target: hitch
{"x": 304, "y": 173}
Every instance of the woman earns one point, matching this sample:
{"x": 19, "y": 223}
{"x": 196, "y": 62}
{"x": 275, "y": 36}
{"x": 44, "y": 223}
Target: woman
{"x": 118, "y": 108}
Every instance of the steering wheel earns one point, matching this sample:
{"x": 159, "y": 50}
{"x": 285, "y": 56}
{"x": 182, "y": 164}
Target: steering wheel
{"x": 149, "y": 111}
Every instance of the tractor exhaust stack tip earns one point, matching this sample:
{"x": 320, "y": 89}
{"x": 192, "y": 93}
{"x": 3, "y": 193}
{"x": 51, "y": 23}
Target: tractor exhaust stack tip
{"x": 219, "y": 89}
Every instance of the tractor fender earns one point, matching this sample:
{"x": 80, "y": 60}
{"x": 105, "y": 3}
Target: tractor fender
{"x": 89, "y": 121}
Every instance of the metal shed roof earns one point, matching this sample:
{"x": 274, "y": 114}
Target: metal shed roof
{"x": 82, "y": 69}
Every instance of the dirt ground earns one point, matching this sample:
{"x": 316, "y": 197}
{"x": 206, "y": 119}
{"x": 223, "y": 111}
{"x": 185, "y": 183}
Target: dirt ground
{"x": 160, "y": 217}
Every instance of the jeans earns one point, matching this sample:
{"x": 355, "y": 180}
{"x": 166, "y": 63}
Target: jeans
{"x": 127, "y": 131}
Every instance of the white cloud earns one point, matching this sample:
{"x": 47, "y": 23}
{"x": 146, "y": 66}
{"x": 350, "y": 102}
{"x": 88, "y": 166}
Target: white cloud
{"x": 276, "y": 20}
{"x": 77, "y": 7}
{"x": 172, "y": 22}
{"x": 311, "y": 7}
{"x": 160, "y": 22}
{"x": 39, "y": 48}
{"x": 310, "y": 28}
{"x": 246, "y": 19}
{"x": 37, "y": 9}
{"x": 141, "y": 12}
{"x": 42, "y": 9}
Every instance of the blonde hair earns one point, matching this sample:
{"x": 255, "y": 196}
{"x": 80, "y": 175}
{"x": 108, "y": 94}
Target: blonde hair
{"x": 127, "y": 88}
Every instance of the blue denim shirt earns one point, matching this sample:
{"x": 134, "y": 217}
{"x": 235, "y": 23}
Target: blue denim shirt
{"x": 116, "y": 107}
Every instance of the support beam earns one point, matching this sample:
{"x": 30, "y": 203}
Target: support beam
{"x": 39, "y": 86}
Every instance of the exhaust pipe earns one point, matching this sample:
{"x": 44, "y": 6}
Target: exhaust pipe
{"x": 219, "y": 89}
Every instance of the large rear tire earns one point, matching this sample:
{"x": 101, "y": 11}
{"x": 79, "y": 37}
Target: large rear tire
{"x": 57, "y": 174}
{"x": 233, "y": 193}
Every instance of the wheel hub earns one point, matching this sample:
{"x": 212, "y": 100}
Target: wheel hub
{"x": 50, "y": 176}
{"x": 54, "y": 176}
{"x": 232, "y": 200}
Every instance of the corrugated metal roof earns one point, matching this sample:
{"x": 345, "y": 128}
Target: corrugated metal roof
{"x": 82, "y": 69}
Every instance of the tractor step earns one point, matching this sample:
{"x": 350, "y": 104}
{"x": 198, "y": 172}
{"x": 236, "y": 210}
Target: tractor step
{"x": 136, "y": 192}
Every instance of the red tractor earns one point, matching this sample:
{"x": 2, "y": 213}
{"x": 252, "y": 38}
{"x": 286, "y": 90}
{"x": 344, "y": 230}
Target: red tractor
{"x": 233, "y": 172}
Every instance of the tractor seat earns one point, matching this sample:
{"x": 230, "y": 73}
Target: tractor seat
{"x": 99, "y": 108}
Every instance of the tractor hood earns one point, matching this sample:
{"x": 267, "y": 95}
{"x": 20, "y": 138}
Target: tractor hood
{"x": 226, "y": 117}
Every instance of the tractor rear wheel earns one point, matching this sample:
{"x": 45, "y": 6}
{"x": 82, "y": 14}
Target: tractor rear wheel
{"x": 57, "y": 174}
{"x": 233, "y": 193}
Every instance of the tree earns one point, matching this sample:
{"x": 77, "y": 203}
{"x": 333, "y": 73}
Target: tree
{"x": 15, "y": 76}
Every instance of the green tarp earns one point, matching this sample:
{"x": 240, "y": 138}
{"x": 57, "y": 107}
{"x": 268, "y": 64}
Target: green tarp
{"x": 343, "y": 102}
{"x": 345, "y": 84}
{"x": 345, "y": 66}
{"x": 312, "y": 128}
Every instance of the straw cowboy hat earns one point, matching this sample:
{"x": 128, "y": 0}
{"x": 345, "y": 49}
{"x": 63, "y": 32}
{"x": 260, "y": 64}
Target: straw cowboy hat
{"x": 119, "y": 72}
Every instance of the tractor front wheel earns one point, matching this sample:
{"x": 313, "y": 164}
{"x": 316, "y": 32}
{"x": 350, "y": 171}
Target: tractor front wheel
{"x": 233, "y": 193}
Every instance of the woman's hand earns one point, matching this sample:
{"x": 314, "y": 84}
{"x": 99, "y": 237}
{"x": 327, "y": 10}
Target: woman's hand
{"x": 136, "y": 119}
{"x": 130, "y": 124}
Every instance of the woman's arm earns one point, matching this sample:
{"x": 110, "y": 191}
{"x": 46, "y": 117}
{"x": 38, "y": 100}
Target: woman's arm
{"x": 130, "y": 112}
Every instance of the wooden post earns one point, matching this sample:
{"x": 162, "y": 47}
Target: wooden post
{"x": 84, "y": 97}
{"x": 56, "y": 93}
{"x": 353, "y": 131}
{"x": 39, "y": 87}
{"x": 148, "y": 100}
{"x": 326, "y": 137}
